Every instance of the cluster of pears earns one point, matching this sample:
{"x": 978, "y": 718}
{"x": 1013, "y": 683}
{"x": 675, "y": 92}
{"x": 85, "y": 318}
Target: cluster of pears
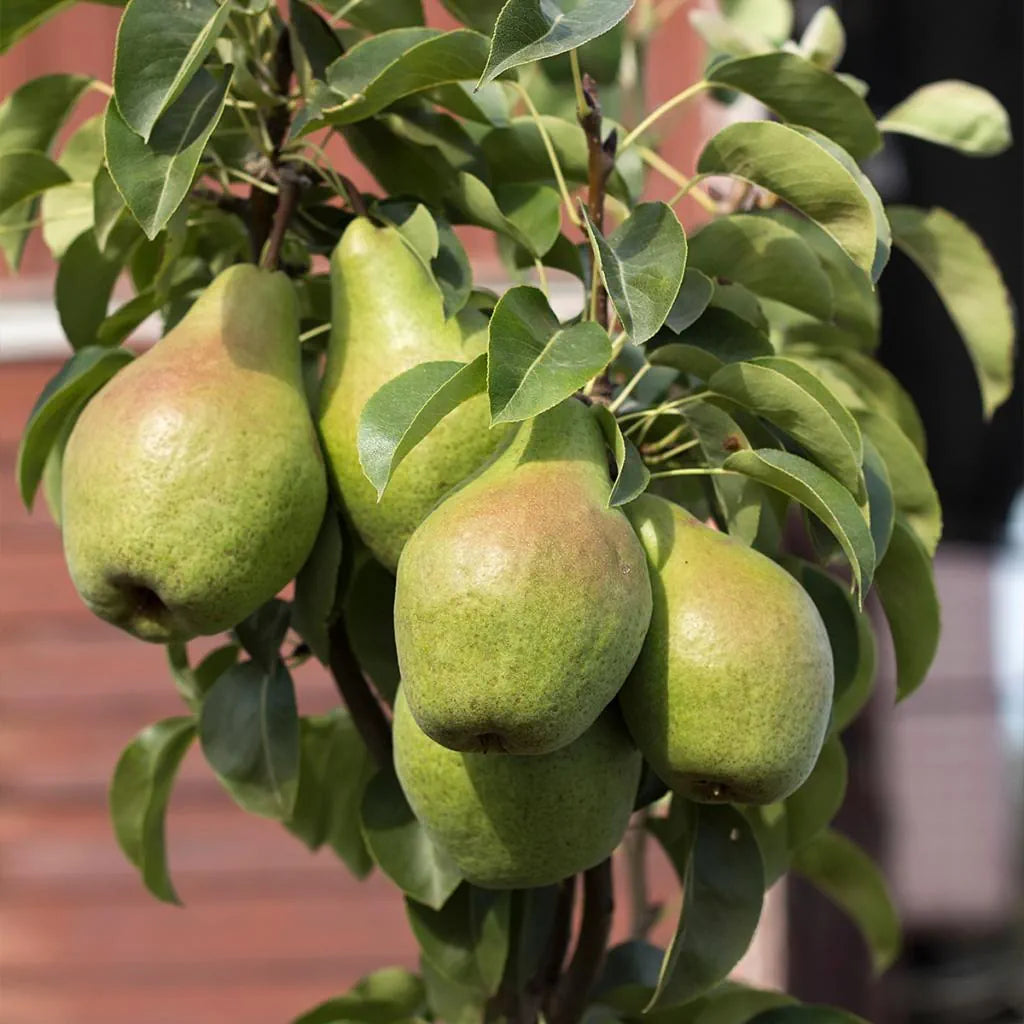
{"x": 548, "y": 644}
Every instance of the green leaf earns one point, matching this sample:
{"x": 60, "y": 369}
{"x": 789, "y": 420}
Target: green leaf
{"x": 632, "y": 475}
{"x": 816, "y": 802}
{"x": 765, "y": 256}
{"x": 971, "y": 288}
{"x": 799, "y": 171}
{"x": 139, "y": 793}
{"x": 723, "y": 37}
{"x": 31, "y": 116}
{"x": 401, "y": 847}
{"x": 881, "y": 503}
{"x": 844, "y": 873}
{"x": 717, "y": 338}
{"x": 772, "y": 17}
{"x": 107, "y": 207}
{"x": 824, "y": 40}
{"x": 642, "y": 264}
{"x": 194, "y": 683}
{"x": 529, "y": 214}
{"x": 533, "y": 363}
{"x": 478, "y": 14}
{"x": 315, "y": 45}
{"x": 334, "y": 769}
{"x": 249, "y": 731}
{"x": 906, "y": 587}
{"x": 404, "y": 410}
{"x": 316, "y": 587}
{"x": 629, "y": 976}
{"x": 78, "y": 379}
{"x": 155, "y": 176}
{"x": 791, "y": 397}
{"x": 467, "y": 940}
{"x": 729, "y": 1003}
{"x": 24, "y": 175}
{"x": 822, "y": 494}
{"x": 387, "y": 996}
{"x": 161, "y": 44}
{"x": 951, "y": 113}
{"x": 262, "y": 633}
{"x": 487, "y": 105}
{"x": 529, "y": 30}
{"x": 66, "y": 213}
{"x": 720, "y": 869}
{"x": 377, "y": 15}
{"x": 694, "y": 295}
{"x": 913, "y": 492}
{"x": 802, "y": 93}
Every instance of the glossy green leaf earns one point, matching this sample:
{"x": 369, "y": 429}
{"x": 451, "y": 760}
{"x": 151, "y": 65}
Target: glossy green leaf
{"x": 906, "y": 587}
{"x": 529, "y": 30}
{"x": 822, "y": 494}
{"x": 79, "y": 378}
{"x": 971, "y": 288}
{"x": 249, "y": 731}
{"x": 194, "y": 683}
{"x": 951, "y": 113}
{"x": 824, "y": 40}
{"x": 789, "y": 396}
{"x": 784, "y": 161}
{"x": 642, "y": 264}
{"x": 401, "y": 847}
{"x": 155, "y": 177}
{"x": 765, "y": 256}
{"x": 404, "y": 410}
{"x": 694, "y": 295}
{"x": 487, "y": 105}
{"x": 632, "y": 475}
{"x": 533, "y": 363}
{"x": 720, "y": 869}
{"x": 107, "y": 207}
{"x": 844, "y": 873}
{"x": 529, "y": 214}
{"x": 24, "y": 175}
{"x": 316, "y": 587}
{"x": 802, "y": 93}
{"x": 262, "y": 633}
{"x": 334, "y": 769}
{"x": 139, "y": 792}
{"x": 467, "y": 940}
{"x": 387, "y": 996}
{"x": 161, "y": 44}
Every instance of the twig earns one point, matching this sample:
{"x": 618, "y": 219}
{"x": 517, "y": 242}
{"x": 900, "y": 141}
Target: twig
{"x": 287, "y": 200}
{"x": 570, "y": 998}
{"x": 367, "y": 714}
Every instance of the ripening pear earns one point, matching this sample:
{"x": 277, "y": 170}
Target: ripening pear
{"x": 730, "y": 697}
{"x": 388, "y": 316}
{"x": 192, "y": 485}
{"x": 522, "y": 600}
{"x": 514, "y": 822}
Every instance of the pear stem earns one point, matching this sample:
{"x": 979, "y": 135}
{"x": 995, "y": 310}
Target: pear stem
{"x": 570, "y": 998}
{"x": 367, "y": 714}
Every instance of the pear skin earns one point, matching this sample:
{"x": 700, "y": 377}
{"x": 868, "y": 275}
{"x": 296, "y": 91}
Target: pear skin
{"x": 513, "y": 822}
{"x": 522, "y": 600}
{"x": 387, "y": 317}
{"x": 730, "y": 697}
{"x": 192, "y": 484}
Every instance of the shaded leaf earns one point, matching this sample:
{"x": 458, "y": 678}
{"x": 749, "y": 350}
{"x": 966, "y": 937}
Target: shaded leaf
{"x": 386, "y": 996}
{"x": 717, "y": 338}
{"x": 629, "y": 976}
{"x": 632, "y": 475}
{"x": 881, "y": 504}
{"x": 32, "y": 114}
{"x": 194, "y": 683}
{"x": 810, "y": 809}
{"x": 694, "y": 295}
{"x": 529, "y": 214}
{"x": 533, "y": 363}
{"x": 378, "y": 15}
{"x": 139, "y": 792}
{"x": 370, "y": 624}
{"x": 849, "y": 702}
{"x": 316, "y": 586}
{"x": 26, "y": 174}
{"x": 262, "y": 633}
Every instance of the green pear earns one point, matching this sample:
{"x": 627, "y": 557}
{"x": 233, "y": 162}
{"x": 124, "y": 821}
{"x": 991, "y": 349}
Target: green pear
{"x": 522, "y": 600}
{"x": 513, "y": 822}
{"x": 730, "y": 697}
{"x": 387, "y": 317}
{"x": 192, "y": 484}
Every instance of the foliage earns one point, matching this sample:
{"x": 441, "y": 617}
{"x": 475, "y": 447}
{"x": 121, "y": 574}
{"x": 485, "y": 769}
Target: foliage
{"x": 736, "y": 376}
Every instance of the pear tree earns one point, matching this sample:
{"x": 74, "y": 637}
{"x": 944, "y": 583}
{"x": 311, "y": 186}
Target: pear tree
{"x": 588, "y": 559}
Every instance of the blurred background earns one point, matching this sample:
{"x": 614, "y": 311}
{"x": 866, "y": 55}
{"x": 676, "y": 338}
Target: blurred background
{"x": 937, "y": 784}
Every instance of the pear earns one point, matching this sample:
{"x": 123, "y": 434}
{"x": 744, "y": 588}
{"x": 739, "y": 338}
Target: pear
{"x": 522, "y": 600}
{"x": 730, "y": 697}
{"x": 513, "y": 822}
{"x": 388, "y": 316}
{"x": 193, "y": 485}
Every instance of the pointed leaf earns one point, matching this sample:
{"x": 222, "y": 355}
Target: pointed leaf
{"x": 633, "y": 476}
{"x": 786, "y": 162}
{"x": 194, "y": 683}
{"x": 262, "y": 633}
{"x": 404, "y": 410}
{"x": 139, "y": 793}
{"x": 249, "y": 731}
{"x": 802, "y": 93}
{"x": 951, "y": 113}
{"x": 824, "y": 40}
{"x": 642, "y": 264}
{"x": 533, "y": 363}
{"x": 529, "y": 214}
{"x": 772, "y": 17}
{"x": 845, "y": 873}
{"x": 529, "y": 30}
{"x": 723, "y": 889}
{"x": 906, "y": 587}
{"x": 971, "y": 288}
{"x": 24, "y": 175}
{"x": 822, "y": 494}
{"x": 155, "y": 177}
{"x": 161, "y": 44}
